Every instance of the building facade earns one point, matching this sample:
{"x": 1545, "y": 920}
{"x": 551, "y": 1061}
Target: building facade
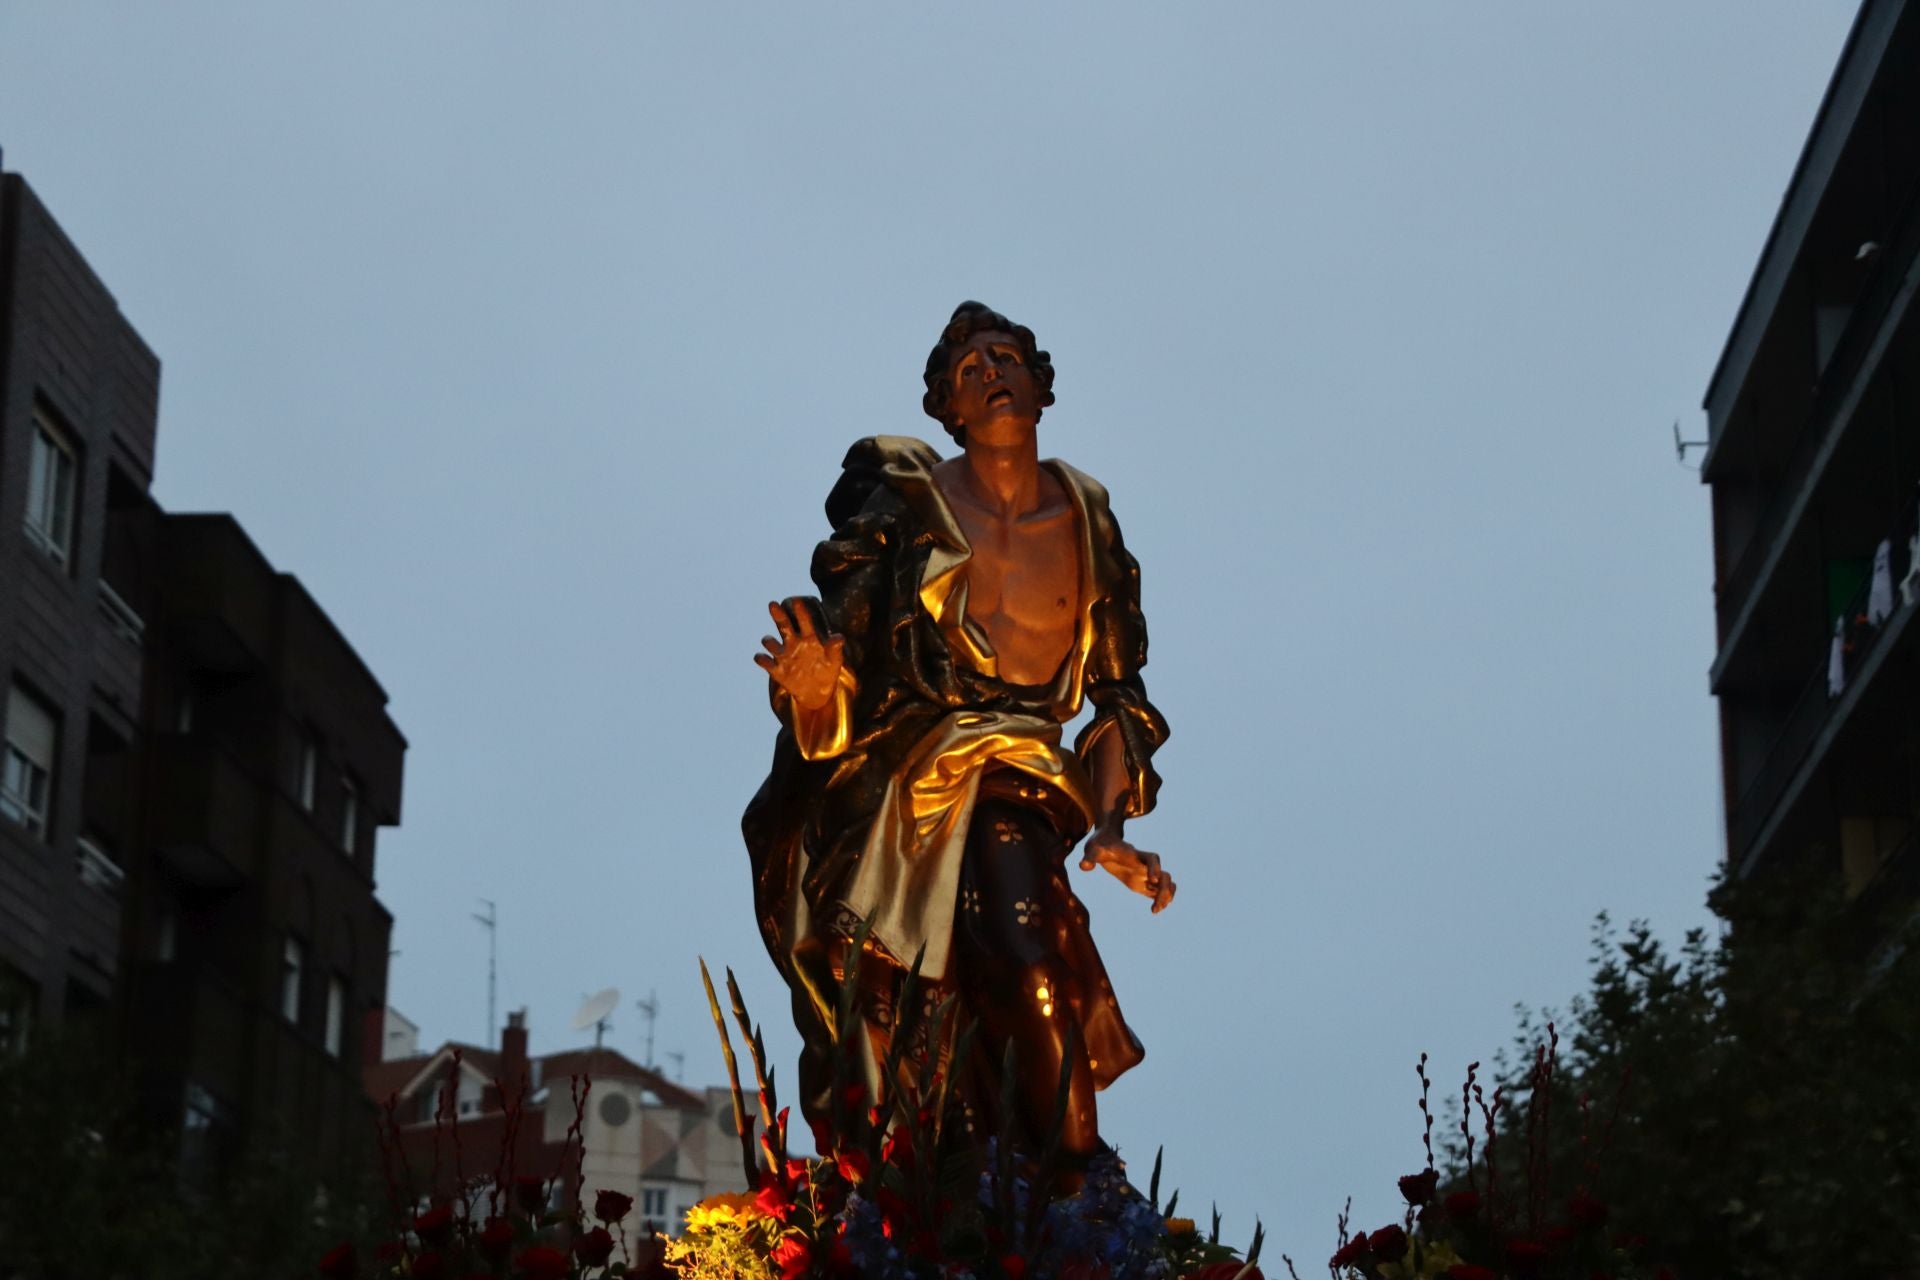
{"x": 1813, "y": 456}
{"x": 196, "y": 762}
{"x": 638, "y": 1133}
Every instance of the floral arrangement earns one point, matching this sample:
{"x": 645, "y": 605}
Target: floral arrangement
{"x": 900, "y": 1194}
{"x": 1491, "y": 1224}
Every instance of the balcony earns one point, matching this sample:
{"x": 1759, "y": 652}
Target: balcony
{"x": 120, "y": 616}
{"x": 1832, "y": 690}
{"x": 97, "y": 870}
{"x": 205, "y": 813}
{"x": 1875, "y": 321}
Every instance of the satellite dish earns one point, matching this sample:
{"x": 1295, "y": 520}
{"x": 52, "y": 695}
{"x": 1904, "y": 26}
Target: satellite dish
{"x": 595, "y": 1010}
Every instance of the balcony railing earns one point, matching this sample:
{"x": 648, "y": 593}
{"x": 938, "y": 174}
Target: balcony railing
{"x": 97, "y": 870}
{"x": 121, "y": 616}
{"x": 1836, "y": 383}
{"x": 1858, "y": 638}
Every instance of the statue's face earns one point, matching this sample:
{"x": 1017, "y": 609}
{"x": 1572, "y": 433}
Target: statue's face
{"x": 994, "y": 392}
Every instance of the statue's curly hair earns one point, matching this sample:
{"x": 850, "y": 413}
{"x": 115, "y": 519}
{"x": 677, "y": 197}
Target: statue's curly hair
{"x": 970, "y": 318}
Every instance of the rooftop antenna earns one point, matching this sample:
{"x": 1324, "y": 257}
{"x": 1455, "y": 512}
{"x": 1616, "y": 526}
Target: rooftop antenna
{"x": 594, "y": 1014}
{"x": 1680, "y": 446}
{"x": 651, "y": 1008}
{"x": 491, "y": 923}
{"x": 679, "y": 1061}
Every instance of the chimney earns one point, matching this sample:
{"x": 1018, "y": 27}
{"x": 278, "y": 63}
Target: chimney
{"x": 513, "y": 1055}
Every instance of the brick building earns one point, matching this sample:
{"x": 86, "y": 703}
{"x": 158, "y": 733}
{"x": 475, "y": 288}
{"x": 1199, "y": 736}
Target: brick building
{"x": 196, "y": 762}
{"x": 666, "y": 1146}
{"x": 1814, "y": 461}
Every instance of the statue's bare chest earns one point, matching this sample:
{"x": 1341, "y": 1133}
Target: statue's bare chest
{"x": 1023, "y": 586}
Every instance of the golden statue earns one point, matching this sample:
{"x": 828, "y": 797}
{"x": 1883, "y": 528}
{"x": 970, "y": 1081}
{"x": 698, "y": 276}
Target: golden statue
{"x": 920, "y": 790}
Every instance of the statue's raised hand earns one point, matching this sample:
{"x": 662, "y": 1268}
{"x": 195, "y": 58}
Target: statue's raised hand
{"x": 804, "y": 661}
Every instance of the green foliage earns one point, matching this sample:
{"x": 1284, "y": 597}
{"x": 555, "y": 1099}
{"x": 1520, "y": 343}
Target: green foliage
{"x": 1749, "y": 1102}
{"x": 87, "y": 1191}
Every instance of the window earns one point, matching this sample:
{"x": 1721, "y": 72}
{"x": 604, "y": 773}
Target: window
{"x": 293, "y": 959}
{"x": 349, "y": 814}
{"x": 51, "y": 472}
{"x": 309, "y": 763}
{"x": 18, "y": 995}
{"x": 653, "y": 1203}
{"x": 26, "y": 776}
{"x": 336, "y": 1013}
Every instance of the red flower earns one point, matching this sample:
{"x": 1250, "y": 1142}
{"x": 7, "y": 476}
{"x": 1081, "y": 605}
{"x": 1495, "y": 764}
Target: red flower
{"x": 898, "y": 1148}
{"x": 775, "y": 1200}
{"x": 1223, "y": 1271}
{"x": 431, "y": 1265}
{"x": 1586, "y": 1210}
{"x": 1014, "y": 1265}
{"x": 531, "y": 1192}
{"x": 1560, "y": 1235}
{"x": 854, "y": 1166}
{"x": 1471, "y": 1271}
{"x": 611, "y": 1206}
{"x": 1462, "y": 1204}
{"x": 594, "y": 1248}
{"x": 1389, "y": 1243}
{"x": 1418, "y": 1188}
{"x": 1350, "y": 1253}
{"x": 793, "y": 1256}
{"x": 542, "y": 1262}
{"x": 853, "y": 1095}
{"x": 435, "y": 1225}
{"x": 388, "y": 1253}
{"x": 339, "y": 1264}
{"x": 496, "y": 1238}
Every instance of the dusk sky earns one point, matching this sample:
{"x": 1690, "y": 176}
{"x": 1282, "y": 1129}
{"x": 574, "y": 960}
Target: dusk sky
{"x": 530, "y": 338}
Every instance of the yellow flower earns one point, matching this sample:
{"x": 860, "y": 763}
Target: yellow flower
{"x": 725, "y": 1210}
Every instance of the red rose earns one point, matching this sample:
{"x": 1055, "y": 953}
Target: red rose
{"x": 530, "y": 1192}
{"x": 1014, "y": 1265}
{"x": 1462, "y": 1204}
{"x": 542, "y": 1262}
{"x": 431, "y": 1265}
{"x": 611, "y": 1206}
{"x": 1389, "y": 1243}
{"x": 1351, "y": 1252}
{"x": 1418, "y": 1188}
{"x": 594, "y": 1248}
{"x": 435, "y": 1225}
{"x": 1586, "y": 1210}
{"x": 339, "y": 1264}
{"x": 1560, "y": 1235}
{"x": 1471, "y": 1271}
{"x": 496, "y": 1238}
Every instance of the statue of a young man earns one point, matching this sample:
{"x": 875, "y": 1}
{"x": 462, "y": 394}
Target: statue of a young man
{"x": 919, "y": 783}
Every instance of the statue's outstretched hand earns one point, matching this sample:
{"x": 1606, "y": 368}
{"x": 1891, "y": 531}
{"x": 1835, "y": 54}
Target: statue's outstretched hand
{"x": 1135, "y": 868}
{"x": 804, "y": 661}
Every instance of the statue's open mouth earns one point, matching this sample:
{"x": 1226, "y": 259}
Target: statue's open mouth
{"x": 1002, "y": 396}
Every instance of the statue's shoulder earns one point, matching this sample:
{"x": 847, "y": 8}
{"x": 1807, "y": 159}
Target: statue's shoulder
{"x": 889, "y": 469}
{"x": 1090, "y": 491}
